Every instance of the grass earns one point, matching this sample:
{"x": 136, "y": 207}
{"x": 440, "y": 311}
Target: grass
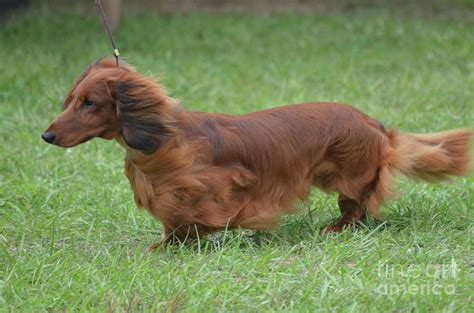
{"x": 71, "y": 238}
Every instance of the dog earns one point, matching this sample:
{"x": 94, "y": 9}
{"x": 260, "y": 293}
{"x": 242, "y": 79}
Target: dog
{"x": 201, "y": 172}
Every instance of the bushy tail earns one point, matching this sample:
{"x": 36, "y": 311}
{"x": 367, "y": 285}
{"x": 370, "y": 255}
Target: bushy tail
{"x": 433, "y": 157}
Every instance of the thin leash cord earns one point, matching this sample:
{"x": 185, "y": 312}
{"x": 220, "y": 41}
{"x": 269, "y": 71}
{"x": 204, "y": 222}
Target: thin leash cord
{"x": 109, "y": 32}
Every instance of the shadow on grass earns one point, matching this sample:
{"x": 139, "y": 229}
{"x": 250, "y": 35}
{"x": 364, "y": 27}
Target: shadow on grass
{"x": 297, "y": 232}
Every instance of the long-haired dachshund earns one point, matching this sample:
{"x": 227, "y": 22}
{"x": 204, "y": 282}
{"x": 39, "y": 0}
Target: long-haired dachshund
{"x": 200, "y": 172}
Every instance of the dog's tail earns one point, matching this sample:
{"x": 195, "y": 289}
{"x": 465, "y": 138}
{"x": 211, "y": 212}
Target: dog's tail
{"x": 432, "y": 157}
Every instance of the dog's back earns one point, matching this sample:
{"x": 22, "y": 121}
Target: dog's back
{"x": 288, "y": 149}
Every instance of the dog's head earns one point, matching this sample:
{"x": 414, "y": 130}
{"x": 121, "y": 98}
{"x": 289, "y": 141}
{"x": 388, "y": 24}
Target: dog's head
{"x": 110, "y": 101}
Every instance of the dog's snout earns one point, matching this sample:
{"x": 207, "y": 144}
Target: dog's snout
{"x": 48, "y": 136}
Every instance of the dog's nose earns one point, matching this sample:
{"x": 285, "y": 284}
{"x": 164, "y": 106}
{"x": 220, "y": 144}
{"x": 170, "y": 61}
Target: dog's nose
{"x": 48, "y": 136}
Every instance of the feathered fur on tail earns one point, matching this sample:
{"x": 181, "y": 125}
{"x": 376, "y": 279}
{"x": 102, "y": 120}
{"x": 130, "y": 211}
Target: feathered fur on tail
{"x": 433, "y": 157}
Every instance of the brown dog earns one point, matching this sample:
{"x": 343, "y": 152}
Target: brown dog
{"x": 201, "y": 172}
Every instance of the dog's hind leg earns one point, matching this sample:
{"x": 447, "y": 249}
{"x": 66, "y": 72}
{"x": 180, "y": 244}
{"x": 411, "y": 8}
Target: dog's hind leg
{"x": 352, "y": 212}
{"x": 371, "y": 197}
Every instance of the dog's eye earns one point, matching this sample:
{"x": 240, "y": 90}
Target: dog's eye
{"x": 87, "y": 103}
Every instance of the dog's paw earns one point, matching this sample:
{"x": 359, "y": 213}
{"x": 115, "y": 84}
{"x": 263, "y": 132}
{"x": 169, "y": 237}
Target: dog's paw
{"x": 331, "y": 229}
{"x": 153, "y": 247}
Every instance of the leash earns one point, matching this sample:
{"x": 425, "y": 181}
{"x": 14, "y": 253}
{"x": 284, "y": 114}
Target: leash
{"x": 109, "y": 32}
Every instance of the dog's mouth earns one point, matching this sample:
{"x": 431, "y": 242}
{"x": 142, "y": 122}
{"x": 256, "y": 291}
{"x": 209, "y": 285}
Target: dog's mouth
{"x": 86, "y": 139}
{"x": 71, "y": 145}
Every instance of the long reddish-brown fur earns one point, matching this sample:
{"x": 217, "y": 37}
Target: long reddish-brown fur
{"x": 200, "y": 172}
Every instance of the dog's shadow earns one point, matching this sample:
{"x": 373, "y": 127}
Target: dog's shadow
{"x": 294, "y": 231}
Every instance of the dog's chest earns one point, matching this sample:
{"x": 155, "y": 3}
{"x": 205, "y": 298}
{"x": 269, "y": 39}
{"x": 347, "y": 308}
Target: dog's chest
{"x": 141, "y": 186}
{"x": 156, "y": 193}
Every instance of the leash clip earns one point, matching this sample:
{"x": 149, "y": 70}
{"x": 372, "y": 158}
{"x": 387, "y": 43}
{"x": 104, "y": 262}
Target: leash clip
{"x": 109, "y": 32}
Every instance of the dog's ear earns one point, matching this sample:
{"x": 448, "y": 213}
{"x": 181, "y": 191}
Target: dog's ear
{"x": 139, "y": 115}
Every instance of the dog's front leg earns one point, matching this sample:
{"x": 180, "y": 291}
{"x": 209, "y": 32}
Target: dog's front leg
{"x": 181, "y": 234}
{"x": 167, "y": 238}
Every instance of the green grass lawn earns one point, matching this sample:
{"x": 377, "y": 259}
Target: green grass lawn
{"x": 72, "y": 239}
